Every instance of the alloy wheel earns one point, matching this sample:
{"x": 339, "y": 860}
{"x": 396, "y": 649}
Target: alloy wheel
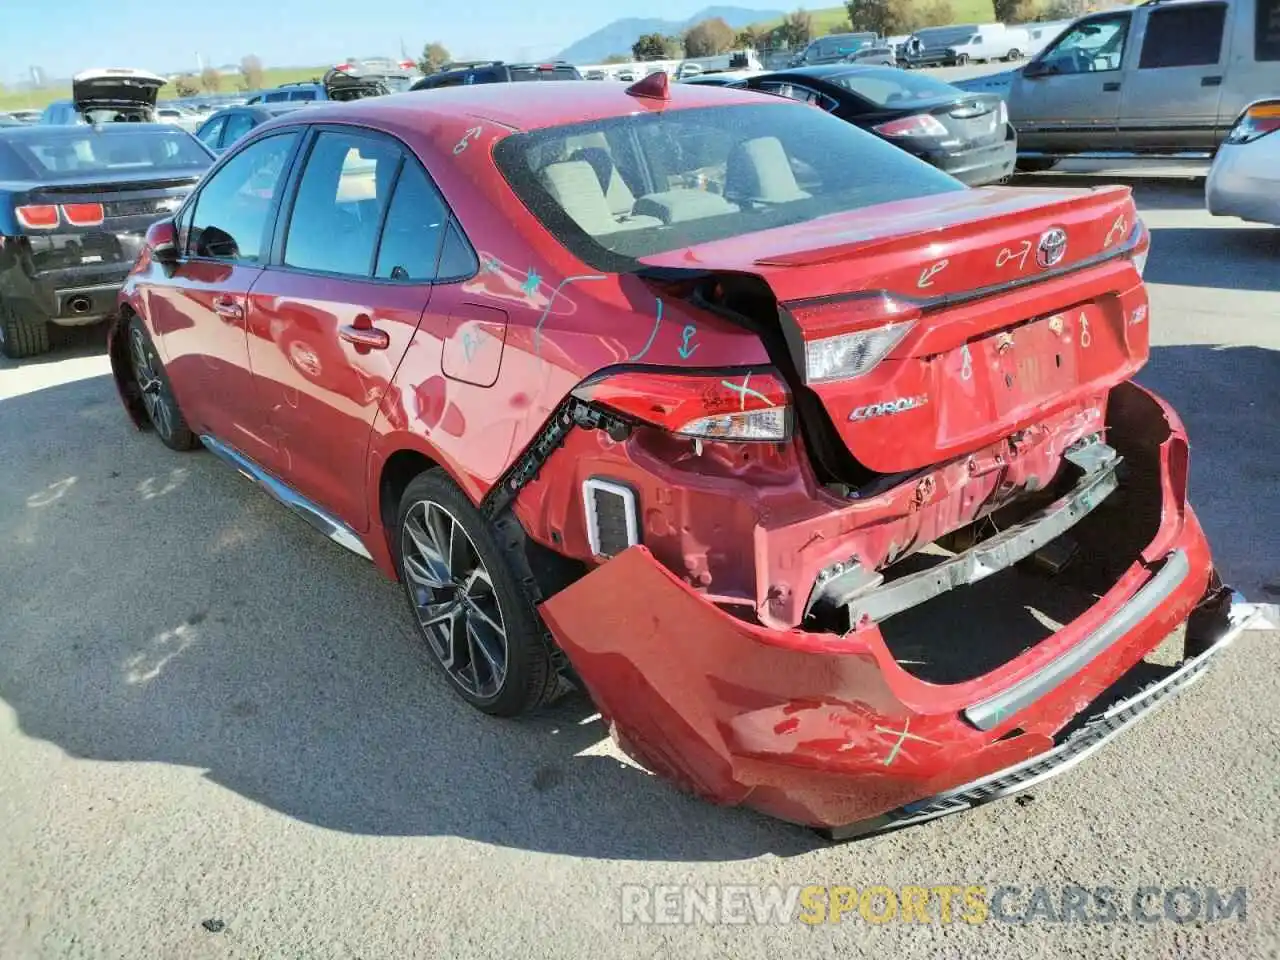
{"x": 454, "y": 599}
{"x": 154, "y": 397}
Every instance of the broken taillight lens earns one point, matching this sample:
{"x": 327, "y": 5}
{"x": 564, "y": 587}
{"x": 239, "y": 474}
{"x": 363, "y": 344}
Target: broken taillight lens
{"x": 732, "y": 405}
{"x": 848, "y": 338}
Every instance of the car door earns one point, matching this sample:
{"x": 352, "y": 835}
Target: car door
{"x": 238, "y": 124}
{"x": 200, "y": 315}
{"x": 332, "y": 316}
{"x": 210, "y": 134}
{"x": 1169, "y": 101}
{"x": 1067, "y": 100}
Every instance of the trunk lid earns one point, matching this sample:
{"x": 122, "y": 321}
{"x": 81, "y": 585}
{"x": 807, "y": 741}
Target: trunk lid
{"x": 115, "y": 87}
{"x": 1015, "y": 303}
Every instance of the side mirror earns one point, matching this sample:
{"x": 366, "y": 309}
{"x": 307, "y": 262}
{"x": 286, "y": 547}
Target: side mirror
{"x": 1035, "y": 69}
{"x": 162, "y": 241}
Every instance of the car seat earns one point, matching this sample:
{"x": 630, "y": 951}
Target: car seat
{"x": 758, "y": 172}
{"x": 575, "y": 186}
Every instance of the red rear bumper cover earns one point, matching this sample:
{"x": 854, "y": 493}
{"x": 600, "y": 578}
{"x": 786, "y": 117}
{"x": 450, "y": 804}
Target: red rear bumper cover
{"x": 826, "y": 730}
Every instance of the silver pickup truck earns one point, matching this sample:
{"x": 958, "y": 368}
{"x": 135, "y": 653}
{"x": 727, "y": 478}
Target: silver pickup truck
{"x": 1166, "y": 78}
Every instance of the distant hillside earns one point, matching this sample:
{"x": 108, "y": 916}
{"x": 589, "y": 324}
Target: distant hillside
{"x": 826, "y": 18}
{"x": 617, "y": 37}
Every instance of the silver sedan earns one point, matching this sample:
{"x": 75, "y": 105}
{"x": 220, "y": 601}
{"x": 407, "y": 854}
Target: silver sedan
{"x": 1244, "y": 180}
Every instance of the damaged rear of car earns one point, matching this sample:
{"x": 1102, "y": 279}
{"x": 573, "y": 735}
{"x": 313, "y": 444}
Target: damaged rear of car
{"x": 911, "y": 553}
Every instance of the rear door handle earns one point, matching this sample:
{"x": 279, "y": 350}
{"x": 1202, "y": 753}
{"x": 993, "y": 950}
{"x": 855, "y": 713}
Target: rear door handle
{"x": 1210, "y": 81}
{"x": 228, "y": 310}
{"x": 364, "y": 335}
{"x": 1111, "y": 87}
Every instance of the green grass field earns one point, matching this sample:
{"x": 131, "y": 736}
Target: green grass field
{"x": 966, "y": 11}
{"x": 36, "y": 99}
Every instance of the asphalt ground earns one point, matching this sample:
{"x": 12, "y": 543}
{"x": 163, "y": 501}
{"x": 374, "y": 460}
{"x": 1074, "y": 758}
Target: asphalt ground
{"x": 219, "y": 737}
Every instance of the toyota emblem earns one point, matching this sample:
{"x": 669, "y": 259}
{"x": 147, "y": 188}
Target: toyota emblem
{"x": 1052, "y": 247}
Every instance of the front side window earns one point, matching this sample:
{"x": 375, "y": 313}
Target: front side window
{"x": 303, "y": 95}
{"x": 620, "y": 189}
{"x": 233, "y": 210}
{"x": 1183, "y": 37}
{"x": 344, "y": 187}
{"x": 1266, "y": 38}
{"x": 1093, "y": 47}
{"x": 278, "y": 97}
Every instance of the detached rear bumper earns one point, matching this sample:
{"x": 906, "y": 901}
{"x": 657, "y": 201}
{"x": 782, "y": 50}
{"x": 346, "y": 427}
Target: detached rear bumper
{"x": 829, "y": 731}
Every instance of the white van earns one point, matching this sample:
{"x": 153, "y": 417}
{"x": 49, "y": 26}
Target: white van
{"x": 991, "y": 41}
{"x": 1043, "y": 34}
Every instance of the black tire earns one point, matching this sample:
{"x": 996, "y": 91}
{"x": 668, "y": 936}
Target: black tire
{"x": 1014, "y": 54}
{"x": 528, "y": 676}
{"x": 1034, "y": 165}
{"x": 22, "y": 336}
{"x": 162, "y": 408}
{"x": 962, "y": 60}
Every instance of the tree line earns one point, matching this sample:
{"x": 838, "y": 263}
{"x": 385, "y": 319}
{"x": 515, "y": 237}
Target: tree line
{"x": 885, "y": 17}
{"x": 249, "y": 77}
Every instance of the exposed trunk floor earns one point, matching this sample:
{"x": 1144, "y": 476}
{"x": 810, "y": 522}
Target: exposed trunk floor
{"x": 973, "y": 629}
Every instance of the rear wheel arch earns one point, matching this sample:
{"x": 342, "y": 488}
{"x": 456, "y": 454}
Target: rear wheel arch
{"x": 398, "y": 471}
{"x": 122, "y": 368}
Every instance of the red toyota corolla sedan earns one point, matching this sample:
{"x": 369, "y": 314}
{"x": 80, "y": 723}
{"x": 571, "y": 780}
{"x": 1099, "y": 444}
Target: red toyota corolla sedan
{"x": 823, "y": 473}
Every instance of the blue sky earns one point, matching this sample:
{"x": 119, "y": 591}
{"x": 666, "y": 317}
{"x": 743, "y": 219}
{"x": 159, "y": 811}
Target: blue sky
{"x": 65, "y": 36}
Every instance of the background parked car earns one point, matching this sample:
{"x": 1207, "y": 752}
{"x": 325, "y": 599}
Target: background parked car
{"x": 225, "y": 127}
{"x": 187, "y": 120}
{"x": 876, "y": 55}
{"x": 968, "y": 135}
{"x": 25, "y": 116}
{"x": 497, "y": 71}
{"x": 1155, "y": 80}
{"x": 991, "y": 41}
{"x": 722, "y": 78}
{"x": 1244, "y": 180}
{"x": 106, "y": 96}
{"x": 833, "y": 48}
{"x": 75, "y": 201}
{"x": 336, "y": 84}
{"x": 931, "y": 46}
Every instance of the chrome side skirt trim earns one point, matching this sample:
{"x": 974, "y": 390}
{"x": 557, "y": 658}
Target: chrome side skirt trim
{"x": 326, "y": 523}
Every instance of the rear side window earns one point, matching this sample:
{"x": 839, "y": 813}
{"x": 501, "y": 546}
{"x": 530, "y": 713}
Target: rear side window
{"x": 545, "y": 73}
{"x": 235, "y": 204}
{"x": 1189, "y": 36}
{"x": 334, "y": 224}
{"x": 1266, "y": 40}
{"x": 303, "y": 95}
{"x": 633, "y": 186}
{"x": 415, "y": 226}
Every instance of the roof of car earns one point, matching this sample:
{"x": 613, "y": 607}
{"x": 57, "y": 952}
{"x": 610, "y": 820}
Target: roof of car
{"x": 529, "y": 106}
{"x": 48, "y": 131}
{"x": 828, "y": 71}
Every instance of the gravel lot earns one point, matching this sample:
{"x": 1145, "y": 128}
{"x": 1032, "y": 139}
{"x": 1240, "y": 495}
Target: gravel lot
{"x": 209, "y": 713}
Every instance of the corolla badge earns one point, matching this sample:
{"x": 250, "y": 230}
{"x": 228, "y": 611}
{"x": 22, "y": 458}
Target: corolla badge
{"x": 1052, "y": 247}
{"x": 898, "y": 405}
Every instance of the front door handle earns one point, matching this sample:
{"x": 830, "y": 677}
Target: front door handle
{"x": 228, "y": 310}
{"x": 364, "y": 335}
{"x": 1111, "y": 87}
{"x": 1210, "y": 81}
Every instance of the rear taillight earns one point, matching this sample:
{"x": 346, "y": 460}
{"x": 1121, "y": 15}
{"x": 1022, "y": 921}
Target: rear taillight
{"x": 1141, "y": 248}
{"x": 732, "y": 405}
{"x": 83, "y": 214}
{"x": 38, "y": 217}
{"x": 918, "y": 125}
{"x": 845, "y": 339}
{"x": 1258, "y": 120}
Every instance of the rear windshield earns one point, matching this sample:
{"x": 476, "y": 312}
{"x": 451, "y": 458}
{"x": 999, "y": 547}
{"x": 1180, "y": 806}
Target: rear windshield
{"x": 628, "y": 187}
{"x": 90, "y": 152}
{"x": 894, "y": 88}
